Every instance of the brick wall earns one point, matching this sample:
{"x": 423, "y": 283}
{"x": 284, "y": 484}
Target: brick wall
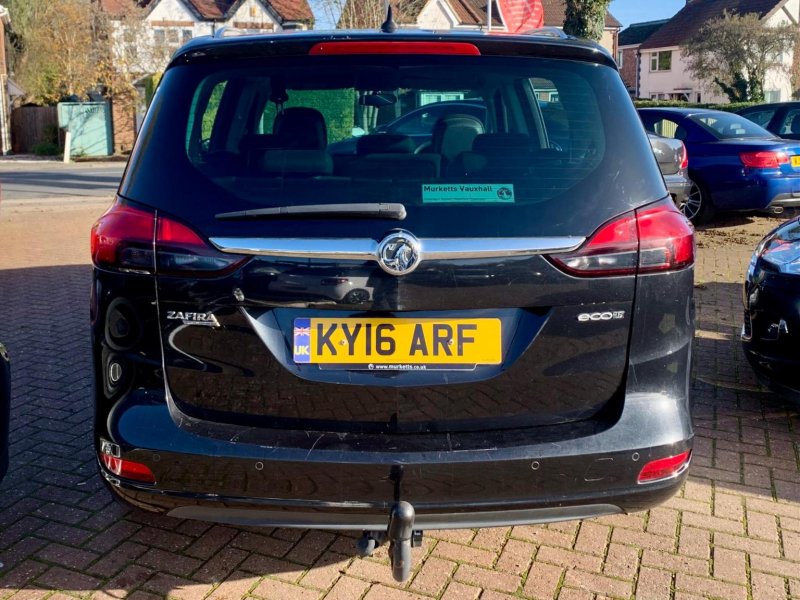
{"x": 123, "y": 119}
{"x": 629, "y": 67}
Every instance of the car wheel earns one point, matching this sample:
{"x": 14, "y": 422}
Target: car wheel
{"x": 356, "y": 297}
{"x": 697, "y": 207}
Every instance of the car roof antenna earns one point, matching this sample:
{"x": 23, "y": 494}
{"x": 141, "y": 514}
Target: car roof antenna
{"x": 389, "y": 26}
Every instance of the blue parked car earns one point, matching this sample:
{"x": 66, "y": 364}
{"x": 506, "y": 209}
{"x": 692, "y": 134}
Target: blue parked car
{"x": 733, "y": 163}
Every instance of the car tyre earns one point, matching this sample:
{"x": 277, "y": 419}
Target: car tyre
{"x": 356, "y": 297}
{"x": 697, "y": 206}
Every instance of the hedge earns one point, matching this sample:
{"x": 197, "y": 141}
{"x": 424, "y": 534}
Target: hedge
{"x": 736, "y": 106}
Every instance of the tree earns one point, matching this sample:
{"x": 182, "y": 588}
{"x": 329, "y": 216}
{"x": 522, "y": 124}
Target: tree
{"x": 367, "y": 14}
{"x": 586, "y": 18}
{"x": 735, "y": 52}
{"x": 54, "y": 54}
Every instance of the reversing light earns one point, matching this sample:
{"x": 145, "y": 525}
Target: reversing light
{"x": 764, "y": 160}
{"x": 128, "y": 469}
{"x": 665, "y": 468}
{"x": 393, "y": 47}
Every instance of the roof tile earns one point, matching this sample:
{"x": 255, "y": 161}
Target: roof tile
{"x": 691, "y": 18}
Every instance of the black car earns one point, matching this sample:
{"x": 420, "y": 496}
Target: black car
{"x": 771, "y": 318}
{"x": 780, "y": 118}
{"x": 417, "y": 124}
{"x": 673, "y": 161}
{"x": 5, "y": 408}
{"x": 522, "y": 354}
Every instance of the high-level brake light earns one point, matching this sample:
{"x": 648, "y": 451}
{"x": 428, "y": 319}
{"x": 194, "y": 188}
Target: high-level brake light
{"x": 394, "y": 47}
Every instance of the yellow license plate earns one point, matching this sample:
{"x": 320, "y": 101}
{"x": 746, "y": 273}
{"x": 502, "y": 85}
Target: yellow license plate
{"x": 398, "y": 344}
{"x": 796, "y": 161}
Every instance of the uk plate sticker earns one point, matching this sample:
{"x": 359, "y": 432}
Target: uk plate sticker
{"x": 302, "y": 340}
{"x": 468, "y": 193}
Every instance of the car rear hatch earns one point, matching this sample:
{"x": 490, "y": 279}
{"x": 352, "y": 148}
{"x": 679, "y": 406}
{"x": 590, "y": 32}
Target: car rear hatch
{"x": 484, "y": 282}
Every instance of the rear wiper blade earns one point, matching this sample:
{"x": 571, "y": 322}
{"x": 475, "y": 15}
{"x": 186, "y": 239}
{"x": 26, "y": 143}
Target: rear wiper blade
{"x": 374, "y": 210}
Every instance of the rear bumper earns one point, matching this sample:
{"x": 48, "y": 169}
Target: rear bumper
{"x": 679, "y": 187}
{"x": 231, "y": 474}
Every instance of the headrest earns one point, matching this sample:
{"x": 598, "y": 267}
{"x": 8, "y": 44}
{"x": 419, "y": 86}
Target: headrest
{"x": 454, "y": 134}
{"x": 296, "y": 163}
{"x": 385, "y": 143}
{"x": 258, "y": 142}
{"x": 301, "y": 128}
{"x": 494, "y": 143}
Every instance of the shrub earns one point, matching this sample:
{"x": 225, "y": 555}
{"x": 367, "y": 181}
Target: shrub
{"x": 676, "y": 104}
{"x": 46, "y": 149}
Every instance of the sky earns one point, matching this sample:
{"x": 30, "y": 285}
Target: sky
{"x": 637, "y": 11}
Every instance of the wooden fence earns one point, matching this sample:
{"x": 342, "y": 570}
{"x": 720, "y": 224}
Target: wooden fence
{"x": 31, "y": 125}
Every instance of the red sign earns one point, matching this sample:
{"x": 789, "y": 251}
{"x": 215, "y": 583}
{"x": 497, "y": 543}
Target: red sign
{"x": 521, "y": 15}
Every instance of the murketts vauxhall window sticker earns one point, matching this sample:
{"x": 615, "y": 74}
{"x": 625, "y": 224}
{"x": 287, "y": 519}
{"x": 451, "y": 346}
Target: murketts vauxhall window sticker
{"x": 468, "y": 193}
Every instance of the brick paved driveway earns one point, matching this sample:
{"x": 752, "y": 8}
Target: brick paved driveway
{"x": 734, "y": 532}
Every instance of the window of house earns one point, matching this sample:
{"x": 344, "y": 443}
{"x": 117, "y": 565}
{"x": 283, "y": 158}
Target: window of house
{"x": 661, "y": 61}
{"x": 620, "y": 56}
{"x": 187, "y": 35}
{"x": 253, "y": 12}
{"x": 160, "y": 36}
{"x": 772, "y": 96}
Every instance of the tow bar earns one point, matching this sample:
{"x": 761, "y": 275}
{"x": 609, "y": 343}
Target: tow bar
{"x": 401, "y": 536}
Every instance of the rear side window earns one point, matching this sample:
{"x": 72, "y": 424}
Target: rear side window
{"x": 450, "y": 131}
{"x": 791, "y": 123}
{"x": 761, "y": 117}
{"x": 725, "y": 126}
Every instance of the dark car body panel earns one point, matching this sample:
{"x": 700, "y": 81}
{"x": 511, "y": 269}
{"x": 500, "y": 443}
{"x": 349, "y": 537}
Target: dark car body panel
{"x": 772, "y": 320}
{"x": 669, "y": 155}
{"x": 593, "y": 381}
{"x": 715, "y": 163}
{"x": 5, "y": 408}
{"x": 778, "y": 118}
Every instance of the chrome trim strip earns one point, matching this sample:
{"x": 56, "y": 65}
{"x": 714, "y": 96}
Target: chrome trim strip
{"x": 367, "y": 250}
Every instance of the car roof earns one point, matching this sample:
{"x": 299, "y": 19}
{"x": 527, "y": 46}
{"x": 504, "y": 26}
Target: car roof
{"x": 776, "y": 105}
{"x": 545, "y": 42}
{"x": 684, "y": 112}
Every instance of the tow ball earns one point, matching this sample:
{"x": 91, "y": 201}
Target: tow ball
{"x": 401, "y": 536}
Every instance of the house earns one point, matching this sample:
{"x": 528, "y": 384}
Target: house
{"x": 630, "y": 40}
{"x": 663, "y": 72}
{"x": 167, "y": 25}
{"x": 470, "y": 14}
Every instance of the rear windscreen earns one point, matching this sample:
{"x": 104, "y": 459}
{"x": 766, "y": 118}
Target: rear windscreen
{"x": 444, "y": 131}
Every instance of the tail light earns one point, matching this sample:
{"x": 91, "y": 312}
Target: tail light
{"x": 649, "y": 240}
{"x": 685, "y": 159}
{"x": 665, "y": 468}
{"x": 133, "y": 239}
{"x": 764, "y": 160}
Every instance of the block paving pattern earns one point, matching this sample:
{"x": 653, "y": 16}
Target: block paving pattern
{"x": 732, "y": 533}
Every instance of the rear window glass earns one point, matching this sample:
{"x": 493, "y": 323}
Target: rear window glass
{"x": 726, "y": 126}
{"x": 445, "y": 131}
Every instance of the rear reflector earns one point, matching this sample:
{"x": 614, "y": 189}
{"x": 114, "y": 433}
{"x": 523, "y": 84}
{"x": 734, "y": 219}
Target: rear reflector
{"x": 398, "y": 47}
{"x": 125, "y": 238}
{"x": 665, "y": 468}
{"x": 658, "y": 238}
{"x": 764, "y": 160}
{"x": 128, "y": 469}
